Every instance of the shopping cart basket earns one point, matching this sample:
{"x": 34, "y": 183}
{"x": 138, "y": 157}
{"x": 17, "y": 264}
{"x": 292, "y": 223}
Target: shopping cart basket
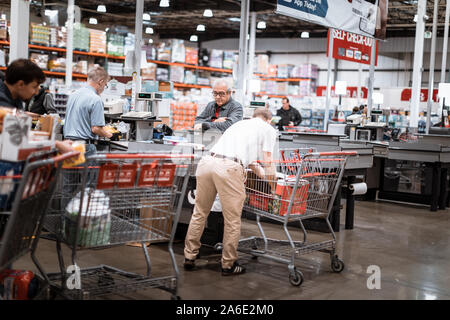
{"x": 302, "y": 189}
{"x": 117, "y": 199}
{"x": 24, "y": 197}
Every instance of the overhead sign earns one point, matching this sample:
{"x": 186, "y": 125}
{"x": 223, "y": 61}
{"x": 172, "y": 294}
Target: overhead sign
{"x": 352, "y": 47}
{"x": 352, "y": 92}
{"x": 366, "y": 17}
{"x": 406, "y": 95}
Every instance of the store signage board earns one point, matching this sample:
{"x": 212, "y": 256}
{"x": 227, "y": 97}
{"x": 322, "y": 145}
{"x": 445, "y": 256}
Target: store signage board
{"x": 352, "y": 92}
{"x": 352, "y": 47}
{"x": 406, "y": 95}
{"x": 362, "y": 17}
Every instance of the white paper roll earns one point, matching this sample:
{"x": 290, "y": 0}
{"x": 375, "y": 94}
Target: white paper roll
{"x": 358, "y": 188}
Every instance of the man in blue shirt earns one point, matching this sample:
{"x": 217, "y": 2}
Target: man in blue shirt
{"x": 85, "y": 119}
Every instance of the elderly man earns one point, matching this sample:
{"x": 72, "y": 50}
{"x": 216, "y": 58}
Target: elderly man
{"x": 223, "y": 112}
{"x": 224, "y": 172}
{"x": 85, "y": 119}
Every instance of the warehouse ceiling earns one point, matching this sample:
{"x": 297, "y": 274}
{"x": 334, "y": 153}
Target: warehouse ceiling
{"x": 182, "y": 17}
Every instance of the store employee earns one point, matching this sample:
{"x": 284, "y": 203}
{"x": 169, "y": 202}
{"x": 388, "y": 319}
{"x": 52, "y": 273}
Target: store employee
{"x": 22, "y": 82}
{"x": 289, "y": 115}
{"x": 85, "y": 119}
{"x": 223, "y": 112}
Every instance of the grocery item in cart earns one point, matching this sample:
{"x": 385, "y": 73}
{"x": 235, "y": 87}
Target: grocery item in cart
{"x": 95, "y": 224}
{"x": 18, "y": 285}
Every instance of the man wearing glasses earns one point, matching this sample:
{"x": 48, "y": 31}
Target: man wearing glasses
{"x": 223, "y": 112}
{"x": 85, "y": 119}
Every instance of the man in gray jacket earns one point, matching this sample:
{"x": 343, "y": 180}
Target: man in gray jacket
{"x": 223, "y": 112}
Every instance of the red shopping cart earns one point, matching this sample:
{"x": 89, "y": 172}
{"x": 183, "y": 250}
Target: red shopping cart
{"x": 302, "y": 189}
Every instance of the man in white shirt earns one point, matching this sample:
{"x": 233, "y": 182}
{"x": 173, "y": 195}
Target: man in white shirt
{"x": 224, "y": 172}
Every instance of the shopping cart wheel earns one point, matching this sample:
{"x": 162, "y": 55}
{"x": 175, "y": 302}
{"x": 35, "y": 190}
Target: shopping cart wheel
{"x": 175, "y": 298}
{"x": 337, "y": 265}
{"x": 296, "y": 278}
{"x": 218, "y": 246}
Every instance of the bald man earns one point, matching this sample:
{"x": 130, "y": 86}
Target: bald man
{"x": 223, "y": 112}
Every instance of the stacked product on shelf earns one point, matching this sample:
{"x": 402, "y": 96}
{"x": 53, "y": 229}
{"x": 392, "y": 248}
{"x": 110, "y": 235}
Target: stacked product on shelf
{"x": 272, "y": 71}
{"x": 177, "y": 74}
{"x": 40, "y": 59}
{"x": 116, "y": 44}
{"x": 164, "y": 52}
{"x": 150, "y": 52}
{"x": 57, "y": 64}
{"x": 39, "y": 35}
{"x": 308, "y": 70}
{"x": 80, "y": 38}
{"x": 229, "y": 59}
{"x": 3, "y": 29}
{"x": 2, "y": 58}
{"x": 284, "y": 70}
{"x": 182, "y": 115}
{"x": 60, "y": 103}
{"x": 53, "y": 37}
{"x": 149, "y": 72}
{"x": 115, "y": 69}
{"x": 191, "y": 56}
{"x": 80, "y": 67}
{"x": 130, "y": 39}
{"x": 307, "y": 87}
{"x": 162, "y": 74}
{"x": 190, "y": 77}
{"x": 178, "y": 51}
{"x": 262, "y": 64}
{"x": 61, "y": 37}
{"x": 271, "y": 87}
{"x": 97, "y": 42}
{"x": 293, "y": 90}
{"x": 216, "y": 59}
{"x": 282, "y": 88}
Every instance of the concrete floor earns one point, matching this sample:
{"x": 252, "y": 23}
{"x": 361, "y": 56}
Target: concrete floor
{"x": 411, "y": 245}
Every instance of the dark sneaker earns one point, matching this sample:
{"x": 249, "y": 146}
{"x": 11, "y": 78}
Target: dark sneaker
{"x": 189, "y": 264}
{"x": 234, "y": 270}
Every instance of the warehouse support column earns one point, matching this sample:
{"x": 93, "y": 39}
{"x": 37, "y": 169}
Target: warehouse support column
{"x": 20, "y": 20}
{"x": 137, "y": 52}
{"x": 329, "y": 81}
{"x": 432, "y": 62}
{"x": 69, "y": 53}
{"x": 418, "y": 64}
{"x": 371, "y": 78}
{"x": 445, "y": 46}
{"x": 251, "y": 54}
{"x": 243, "y": 52}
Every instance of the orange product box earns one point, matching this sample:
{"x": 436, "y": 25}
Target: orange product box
{"x": 272, "y": 71}
{"x": 299, "y": 201}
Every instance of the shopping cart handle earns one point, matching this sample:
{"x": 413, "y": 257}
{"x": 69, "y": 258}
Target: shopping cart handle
{"x": 337, "y": 153}
{"x": 146, "y": 156}
{"x": 65, "y": 156}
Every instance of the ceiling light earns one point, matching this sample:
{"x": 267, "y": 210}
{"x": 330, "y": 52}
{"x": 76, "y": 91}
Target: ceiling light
{"x": 208, "y": 13}
{"x": 92, "y": 21}
{"x": 51, "y": 13}
{"x": 150, "y": 40}
{"x": 235, "y": 19}
{"x": 107, "y": 29}
{"x": 261, "y": 25}
{"x": 304, "y": 35}
{"x": 101, "y": 8}
{"x": 149, "y": 30}
{"x": 193, "y": 38}
{"x": 164, "y": 3}
{"x": 146, "y": 17}
{"x": 201, "y": 27}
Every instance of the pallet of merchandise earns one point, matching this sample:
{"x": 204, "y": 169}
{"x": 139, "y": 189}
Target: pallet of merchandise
{"x": 97, "y": 41}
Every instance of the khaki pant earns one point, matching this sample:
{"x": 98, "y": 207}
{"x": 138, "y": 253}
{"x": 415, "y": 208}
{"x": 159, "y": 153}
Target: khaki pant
{"x": 226, "y": 177}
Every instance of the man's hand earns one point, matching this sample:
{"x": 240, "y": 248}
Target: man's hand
{"x": 291, "y": 124}
{"x": 64, "y": 146}
{"x": 198, "y": 127}
{"x": 221, "y": 119}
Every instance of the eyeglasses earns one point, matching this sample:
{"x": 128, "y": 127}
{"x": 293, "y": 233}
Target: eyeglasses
{"x": 219, "y": 94}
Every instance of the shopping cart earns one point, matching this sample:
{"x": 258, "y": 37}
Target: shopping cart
{"x": 117, "y": 199}
{"x": 302, "y": 189}
{"x": 25, "y": 194}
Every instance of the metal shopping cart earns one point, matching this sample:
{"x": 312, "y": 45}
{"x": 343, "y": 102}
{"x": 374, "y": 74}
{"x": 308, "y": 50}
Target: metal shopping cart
{"x": 25, "y": 191}
{"x": 302, "y": 189}
{"x": 117, "y": 199}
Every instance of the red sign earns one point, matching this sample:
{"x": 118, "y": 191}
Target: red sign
{"x": 352, "y": 92}
{"x": 407, "y": 93}
{"x": 352, "y": 47}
